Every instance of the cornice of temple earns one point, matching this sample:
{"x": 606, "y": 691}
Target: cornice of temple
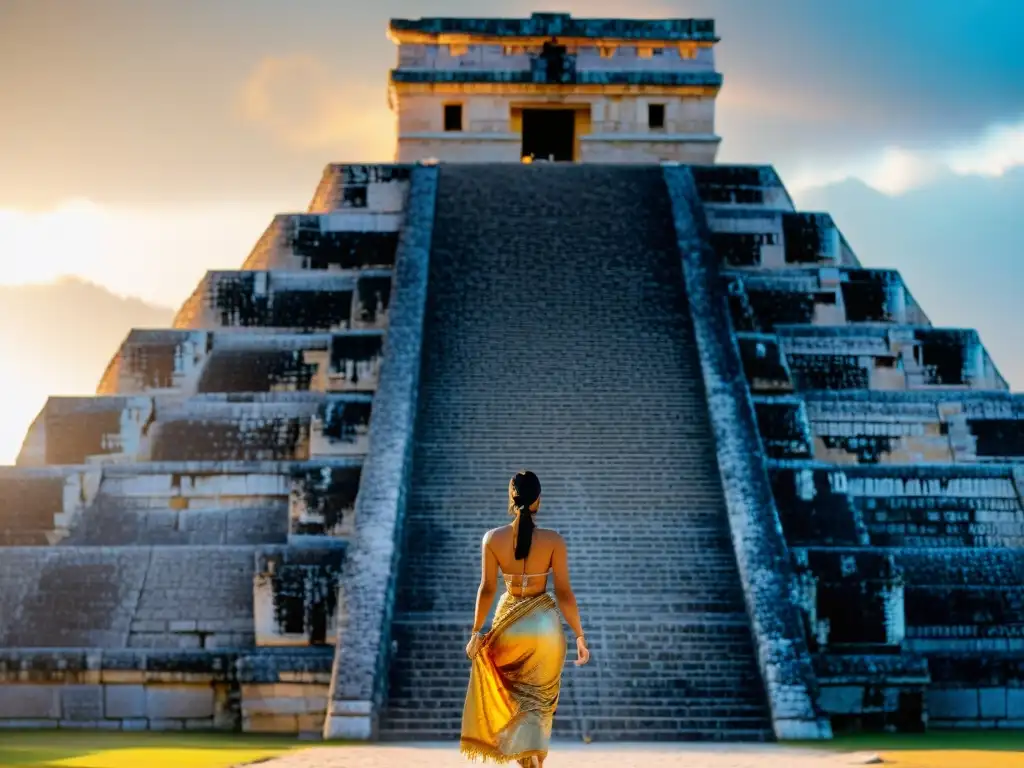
{"x": 584, "y": 77}
{"x": 542, "y": 26}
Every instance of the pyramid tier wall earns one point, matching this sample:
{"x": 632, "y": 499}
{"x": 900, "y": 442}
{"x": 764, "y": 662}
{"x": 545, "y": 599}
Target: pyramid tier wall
{"x": 894, "y": 455}
{"x": 191, "y": 522}
{"x": 192, "y": 362}
{"x": 887, "y": 452}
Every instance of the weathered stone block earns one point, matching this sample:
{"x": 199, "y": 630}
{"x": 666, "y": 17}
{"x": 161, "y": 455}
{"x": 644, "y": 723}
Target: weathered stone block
{"x": 270, "y": 724}
{"x": 90, "y": 725}
{"x": 310, "y": 723}
{"x": 30, "y": 702}
{"x": 17, "y": 725}
{"x": 347, "y": 728}
{"x": 81, "y": 703}
{"x": 992, "y": 702}
{"x": 125, "y": 701}
{"x": 953, "y": 704}
{"x": 1015, "y": 703}
{"x": 842, "y": 700}
{"x": 284, "y": 699}
{"x": 179, "y": 701}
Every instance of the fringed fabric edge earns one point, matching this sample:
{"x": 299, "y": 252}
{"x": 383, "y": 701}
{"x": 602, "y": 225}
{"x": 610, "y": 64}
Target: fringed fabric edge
{"x": 478, "y": 752}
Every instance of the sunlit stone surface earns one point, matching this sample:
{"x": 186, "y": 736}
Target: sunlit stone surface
{"x": 795, "y": 506}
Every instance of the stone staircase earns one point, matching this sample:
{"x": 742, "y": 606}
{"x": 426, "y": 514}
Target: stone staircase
{"x": 558, "y": 338}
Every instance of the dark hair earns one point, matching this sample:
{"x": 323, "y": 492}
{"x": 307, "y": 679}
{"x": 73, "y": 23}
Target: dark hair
{"x": 523, "y": 491}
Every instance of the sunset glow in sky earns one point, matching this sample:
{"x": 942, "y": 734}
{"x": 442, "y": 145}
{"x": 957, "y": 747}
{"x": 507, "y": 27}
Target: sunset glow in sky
{"x": 145, "y": 143}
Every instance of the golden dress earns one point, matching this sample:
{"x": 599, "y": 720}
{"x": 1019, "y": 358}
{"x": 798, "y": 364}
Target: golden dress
{"x": 515, "y": 680}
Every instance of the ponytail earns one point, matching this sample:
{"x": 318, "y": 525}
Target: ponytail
{"x": 524, "y": 531}
{"x": 523, "y": 493}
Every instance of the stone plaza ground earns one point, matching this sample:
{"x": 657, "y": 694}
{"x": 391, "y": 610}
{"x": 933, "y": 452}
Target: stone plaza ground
{"x": 85, "y": 749}
{"x": 571, "y": 755}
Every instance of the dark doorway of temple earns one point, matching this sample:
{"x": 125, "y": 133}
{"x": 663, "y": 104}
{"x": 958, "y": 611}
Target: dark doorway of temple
{"x": 549, "y": 134}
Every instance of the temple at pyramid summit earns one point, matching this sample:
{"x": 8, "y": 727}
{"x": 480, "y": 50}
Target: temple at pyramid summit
{"x": 794, "y": 506}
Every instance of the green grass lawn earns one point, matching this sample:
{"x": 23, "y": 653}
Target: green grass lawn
{"x": 71, "y": 749}
{"x": 993, "y": 741}
{"x": 937, "y": 749}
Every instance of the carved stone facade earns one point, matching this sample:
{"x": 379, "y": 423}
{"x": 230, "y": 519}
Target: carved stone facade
{"x": 267, "y": 518}
{"x": 555, "y": 87}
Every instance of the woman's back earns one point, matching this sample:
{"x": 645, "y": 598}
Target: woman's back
{"x": 529, "y": 576}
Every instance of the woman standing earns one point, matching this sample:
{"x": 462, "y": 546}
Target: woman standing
{"x": 517, "y": 666}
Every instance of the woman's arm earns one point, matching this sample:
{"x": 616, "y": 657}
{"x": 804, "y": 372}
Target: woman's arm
{"x": 564, "y": 595}
{"x": 488, "y": 583}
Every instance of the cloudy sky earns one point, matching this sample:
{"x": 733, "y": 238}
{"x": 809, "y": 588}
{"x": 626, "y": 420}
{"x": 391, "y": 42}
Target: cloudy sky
{"x": 144, "y": 142}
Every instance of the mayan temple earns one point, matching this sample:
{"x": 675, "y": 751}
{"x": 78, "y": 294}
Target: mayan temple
{"x": 793, "y": 505}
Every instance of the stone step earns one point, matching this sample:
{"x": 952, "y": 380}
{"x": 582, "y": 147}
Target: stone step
{"x": 438, "y": 600}
{"x": 553, "y": 345}
{"x": 414, "y": 727}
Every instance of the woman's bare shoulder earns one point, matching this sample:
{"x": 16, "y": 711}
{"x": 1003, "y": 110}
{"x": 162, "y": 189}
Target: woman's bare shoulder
{"x": 497, "y": 533}
{"x": 550, "y": 534}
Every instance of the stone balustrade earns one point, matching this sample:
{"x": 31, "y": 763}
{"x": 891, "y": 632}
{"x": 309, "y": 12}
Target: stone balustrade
{"x": 826, "y": 296}
{"x": 759, "y": 545}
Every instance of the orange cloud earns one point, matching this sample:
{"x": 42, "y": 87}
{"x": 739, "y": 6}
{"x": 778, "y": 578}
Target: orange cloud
{"x": 306, "y": 106}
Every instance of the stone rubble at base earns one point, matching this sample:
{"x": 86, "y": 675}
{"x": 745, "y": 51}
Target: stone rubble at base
{"x": 248, "y": 527}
